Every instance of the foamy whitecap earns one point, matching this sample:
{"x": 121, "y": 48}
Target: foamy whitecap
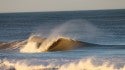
{"x": 76, "y": 65}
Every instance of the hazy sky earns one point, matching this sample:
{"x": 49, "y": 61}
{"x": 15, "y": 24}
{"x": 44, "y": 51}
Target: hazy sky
{"x": 58, "y": 5}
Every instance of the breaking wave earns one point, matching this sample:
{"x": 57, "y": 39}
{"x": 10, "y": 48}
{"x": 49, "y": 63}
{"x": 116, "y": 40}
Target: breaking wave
{"x": 37, "y": 44}
{"x": 83, "y": 64}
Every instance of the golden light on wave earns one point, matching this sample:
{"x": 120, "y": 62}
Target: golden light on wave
{"x": 37, "y": 44}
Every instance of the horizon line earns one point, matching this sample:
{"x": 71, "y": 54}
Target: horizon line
{"x": 57, "y": 11}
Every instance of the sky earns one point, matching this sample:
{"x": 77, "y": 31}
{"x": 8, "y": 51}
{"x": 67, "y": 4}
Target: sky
{"x": 58, "y": 5}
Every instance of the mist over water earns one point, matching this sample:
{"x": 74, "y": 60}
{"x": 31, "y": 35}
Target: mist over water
{"x": 77, "y": 29}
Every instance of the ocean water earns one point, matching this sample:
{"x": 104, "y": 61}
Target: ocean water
{"x": 103, "y": 27}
